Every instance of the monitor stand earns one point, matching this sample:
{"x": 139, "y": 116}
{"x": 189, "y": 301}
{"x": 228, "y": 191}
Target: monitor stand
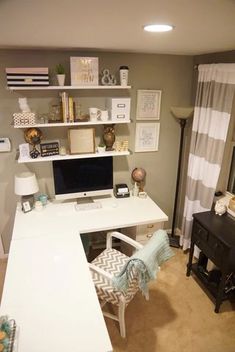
{"x": 85, "y": 200}
{"x": 87, "y": 204}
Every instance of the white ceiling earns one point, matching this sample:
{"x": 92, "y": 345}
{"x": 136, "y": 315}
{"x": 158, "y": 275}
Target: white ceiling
{"x": 201, "y": 26}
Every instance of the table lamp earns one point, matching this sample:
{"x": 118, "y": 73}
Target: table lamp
{"x": 26, "y": 186}
{"x": 181, "y": 114}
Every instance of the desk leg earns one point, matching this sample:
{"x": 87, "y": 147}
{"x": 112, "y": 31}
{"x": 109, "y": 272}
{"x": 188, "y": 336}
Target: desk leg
{"x": 189, "y": 265}
{"x": 219, "y": 297}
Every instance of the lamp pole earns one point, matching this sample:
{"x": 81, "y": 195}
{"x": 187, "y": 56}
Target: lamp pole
{"x": 174, "y": 239}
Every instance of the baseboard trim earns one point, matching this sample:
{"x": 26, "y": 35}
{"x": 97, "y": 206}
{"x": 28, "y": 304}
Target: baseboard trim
{"x": 178, "y": 231}
{"x": 3, "y": 255}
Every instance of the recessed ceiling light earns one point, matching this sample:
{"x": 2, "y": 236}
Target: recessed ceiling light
{"x": 158, "y": 28}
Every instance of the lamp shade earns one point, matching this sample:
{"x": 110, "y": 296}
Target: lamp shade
{"x": 26, "y": 184}
{"x": 182, "y": 112}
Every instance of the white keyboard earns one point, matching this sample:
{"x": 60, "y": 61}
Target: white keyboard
{"x": 88, "y": 206}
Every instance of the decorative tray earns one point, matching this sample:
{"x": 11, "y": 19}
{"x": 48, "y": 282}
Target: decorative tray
{"x": 7, "y": 334}
{"x": 232, "y": 213}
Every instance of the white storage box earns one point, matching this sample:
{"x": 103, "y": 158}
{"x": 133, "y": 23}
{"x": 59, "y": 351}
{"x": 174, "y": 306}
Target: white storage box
{"x": 119, "y": 108}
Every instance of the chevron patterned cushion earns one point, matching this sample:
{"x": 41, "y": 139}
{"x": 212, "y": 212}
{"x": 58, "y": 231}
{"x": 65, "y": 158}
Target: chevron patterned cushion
{"x": 112, "y": 261}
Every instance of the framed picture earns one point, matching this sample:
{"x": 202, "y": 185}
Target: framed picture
{"x": 84, "y": 71}
{"x": 81, "y": 140}
{"x": 148, "y": 104}
{"x": 147, "y": 137}
{"x": 24, "y": 151}
{"x": 26, "y": 206}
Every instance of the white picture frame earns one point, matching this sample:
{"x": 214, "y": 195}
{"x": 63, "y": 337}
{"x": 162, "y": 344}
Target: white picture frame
{"x": 148, "y": 104}
{"x": 147, "y": 137}
{"x": 84, "y": 71}
{"x": 24, "y": 151}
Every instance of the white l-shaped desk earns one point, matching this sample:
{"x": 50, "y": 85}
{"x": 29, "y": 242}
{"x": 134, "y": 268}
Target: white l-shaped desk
{"x": 48, "y": 289}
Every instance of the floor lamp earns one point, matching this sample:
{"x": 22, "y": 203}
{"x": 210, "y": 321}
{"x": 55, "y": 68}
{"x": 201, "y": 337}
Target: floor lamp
{"x": 181, "y": 114}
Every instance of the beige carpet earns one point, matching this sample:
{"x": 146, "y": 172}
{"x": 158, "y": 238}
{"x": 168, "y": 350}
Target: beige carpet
{"x": 179, "y": 317}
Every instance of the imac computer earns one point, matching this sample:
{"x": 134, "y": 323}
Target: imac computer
{"x": 82, "y": 178}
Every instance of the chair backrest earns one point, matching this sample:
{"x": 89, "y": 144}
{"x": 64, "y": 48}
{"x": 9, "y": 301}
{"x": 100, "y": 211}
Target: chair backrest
{"x": 143, "y": 265}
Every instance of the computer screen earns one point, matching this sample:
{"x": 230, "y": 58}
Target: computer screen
{"x": 86, "y": 177}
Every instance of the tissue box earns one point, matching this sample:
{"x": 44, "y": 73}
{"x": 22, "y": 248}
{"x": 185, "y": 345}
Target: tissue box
{"x": 23, "y": 118}
{"x": 119, "y": 108}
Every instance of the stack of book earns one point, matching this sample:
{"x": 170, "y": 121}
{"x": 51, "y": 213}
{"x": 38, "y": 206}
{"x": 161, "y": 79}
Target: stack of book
{"x": 68, "y": 108}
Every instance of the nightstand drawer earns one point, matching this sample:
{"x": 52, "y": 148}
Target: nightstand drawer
{"x": 201, "y": 238}
{"x": 199, "y": 232}
{"x": 211, "y": 246}
{"x": 218, "y": 250}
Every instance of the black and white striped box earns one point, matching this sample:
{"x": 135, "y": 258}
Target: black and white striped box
{"x": 27, "y": 76}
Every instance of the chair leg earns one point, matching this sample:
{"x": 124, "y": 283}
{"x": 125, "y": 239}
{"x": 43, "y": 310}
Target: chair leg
{"x": 121, "y": 319}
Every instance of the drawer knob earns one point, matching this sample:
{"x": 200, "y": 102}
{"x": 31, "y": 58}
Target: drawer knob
{"x": 150, "y": 226}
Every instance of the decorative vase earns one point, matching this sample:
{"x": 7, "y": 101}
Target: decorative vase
{"x": 100, "y": 149}
{"x": 109, "y": 137}
{"x": 61, "y": 79}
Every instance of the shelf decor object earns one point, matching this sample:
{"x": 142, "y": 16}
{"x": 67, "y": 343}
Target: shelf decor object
{"x": 81, "y": 140}
{"x": 33, "y": 136}
{"x": 107, "y": 79}
{"x": 119, "y": 108}
{"x": 148, "y": 104}
{"x": 24, "y": 118}
{"x": 181, "y": 114}
{"x": 84, "y": 71}
{"x": 147, "y": 137}
{"x": 27, "y": 76}
{"x": 49, "y": 148}
{"x": 60, "y": 74}
{"x": 109, "y": 137}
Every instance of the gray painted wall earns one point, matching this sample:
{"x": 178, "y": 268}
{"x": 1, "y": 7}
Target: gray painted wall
{"x": 172, "y": 74}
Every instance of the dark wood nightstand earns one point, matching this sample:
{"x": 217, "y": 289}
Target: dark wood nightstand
{"x": 214, "y": 235}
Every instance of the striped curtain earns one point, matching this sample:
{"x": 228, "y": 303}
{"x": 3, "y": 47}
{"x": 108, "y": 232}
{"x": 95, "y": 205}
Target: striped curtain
{"x": 215, "y": 91}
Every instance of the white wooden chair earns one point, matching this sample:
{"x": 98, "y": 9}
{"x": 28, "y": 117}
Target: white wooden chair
{"x": 103, "y": 268}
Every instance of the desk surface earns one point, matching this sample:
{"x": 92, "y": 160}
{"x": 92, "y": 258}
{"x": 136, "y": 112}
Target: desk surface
{"x": 48, "y": 289}
{"x": 63, "y": 217}
{"x": 49, "y": 292}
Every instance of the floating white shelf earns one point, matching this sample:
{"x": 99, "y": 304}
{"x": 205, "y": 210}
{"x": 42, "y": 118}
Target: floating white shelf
{"x": 74, "y": 156}
{"x": 72, "y": 124}
{"x": 68, "y": 87}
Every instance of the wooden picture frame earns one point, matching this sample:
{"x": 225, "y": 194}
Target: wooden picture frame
{"x": 81, "y": 140}
{"x": 147, "y": 137}
{"x": 148, "y": 104}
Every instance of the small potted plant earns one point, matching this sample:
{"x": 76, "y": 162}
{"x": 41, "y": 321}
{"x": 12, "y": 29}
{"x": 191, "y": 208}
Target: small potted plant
{"x": 101, "y": 147}
{"x": 60, "y": 72}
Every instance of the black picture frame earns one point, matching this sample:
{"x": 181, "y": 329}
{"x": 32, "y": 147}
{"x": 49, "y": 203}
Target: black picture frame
{"x": 26, "y": 206}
